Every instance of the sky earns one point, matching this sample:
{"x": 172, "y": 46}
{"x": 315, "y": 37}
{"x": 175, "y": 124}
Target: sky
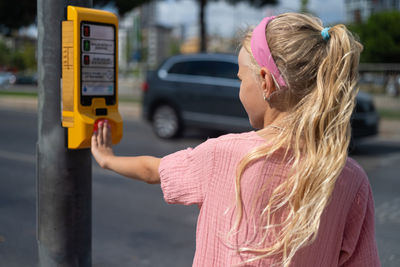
{"x": 224, "y": 19}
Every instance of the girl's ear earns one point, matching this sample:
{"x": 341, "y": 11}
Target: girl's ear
{"x": 267, "y": 82}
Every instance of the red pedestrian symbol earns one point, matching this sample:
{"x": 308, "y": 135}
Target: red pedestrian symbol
{"x": 86, "y": 60}
{"x": 86, "y": 31}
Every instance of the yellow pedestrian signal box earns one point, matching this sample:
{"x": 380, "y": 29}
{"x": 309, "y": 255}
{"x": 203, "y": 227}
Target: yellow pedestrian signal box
{"x": 89, "y": 74}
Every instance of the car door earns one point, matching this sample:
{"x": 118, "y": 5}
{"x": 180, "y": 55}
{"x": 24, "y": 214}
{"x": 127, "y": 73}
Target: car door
{"x": 190, "y": 77}
{"x": 226, "y": 104}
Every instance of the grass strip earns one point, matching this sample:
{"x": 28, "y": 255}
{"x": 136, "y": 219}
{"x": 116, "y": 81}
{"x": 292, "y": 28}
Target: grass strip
{"x": 129, "y": 99}
{"x": 18, "y": 94}
{"x": 389, "y": 114}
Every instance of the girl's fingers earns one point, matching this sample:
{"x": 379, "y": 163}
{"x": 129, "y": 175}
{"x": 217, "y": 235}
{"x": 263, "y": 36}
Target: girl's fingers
{"x": 94, "y": 138}
{"x": 105, "y": 131}
{"x": 100, "y": 140}
{"x": 109, "y": 136}
{"x": 102, "y": 135}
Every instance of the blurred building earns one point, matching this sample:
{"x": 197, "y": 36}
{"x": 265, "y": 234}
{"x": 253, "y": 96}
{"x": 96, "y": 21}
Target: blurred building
{"x": 127, "y": 38}
{"x": 191, "y": 45}
{"x": 215, "y": 44}
{"x": 220, "y": 44}
{"x": 159, "y": 42}
{"x": 360, "y": 10}
{"x": 142, "y": 39}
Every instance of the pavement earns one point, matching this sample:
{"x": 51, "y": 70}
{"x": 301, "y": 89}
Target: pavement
{"x": 387, "y": 102}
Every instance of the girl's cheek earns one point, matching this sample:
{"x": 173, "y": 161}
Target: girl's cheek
{"x": 240, "y": 95}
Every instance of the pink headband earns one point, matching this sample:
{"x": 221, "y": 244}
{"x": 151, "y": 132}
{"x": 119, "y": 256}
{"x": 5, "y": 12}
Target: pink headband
{"x": 261, "y": 52}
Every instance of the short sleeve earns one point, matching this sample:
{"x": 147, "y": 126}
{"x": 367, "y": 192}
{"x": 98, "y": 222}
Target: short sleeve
{"x": 359, "y": 245}
{"x": 185, "y": 175}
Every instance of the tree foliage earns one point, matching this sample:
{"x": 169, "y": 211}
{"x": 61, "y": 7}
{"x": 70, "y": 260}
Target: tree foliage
{"x": 14, "y": 15}
{"x": 304, "y": 6}
{"x": 123, "y": 6}
{"x": 256, "y": 3}
{"x": 22, "y": 59}
{"x": 380, "y": 35}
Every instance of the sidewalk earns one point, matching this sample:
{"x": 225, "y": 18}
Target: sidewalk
{"x": 387, "y": 102}
{"x": 388, "y": 129}
{"x": 128, "y": 110}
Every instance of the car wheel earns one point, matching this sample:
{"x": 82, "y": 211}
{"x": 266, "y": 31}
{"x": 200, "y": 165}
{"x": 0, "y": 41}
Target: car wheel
{"x": 166, "y": 123}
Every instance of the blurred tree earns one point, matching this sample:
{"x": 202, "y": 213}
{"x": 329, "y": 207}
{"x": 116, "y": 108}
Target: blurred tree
{"x": 29, "y": 56}
{"x": 17, "y": 61}
{"x": 174, "y": 47}
{"x": 4, "y": 55}
{"x": 380, "y": 35}
{"x": 304, "y": 6}
{"x": 123, "y": 6}
{"x": 20, "y": 60}
{"x": 14, "y": 15}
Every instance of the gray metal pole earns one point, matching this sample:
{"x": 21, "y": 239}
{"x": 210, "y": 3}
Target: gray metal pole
{"x": 64, "y": 177}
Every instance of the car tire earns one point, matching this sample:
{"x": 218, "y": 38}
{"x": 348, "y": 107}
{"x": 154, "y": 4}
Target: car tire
{"x": 165, "y": 121}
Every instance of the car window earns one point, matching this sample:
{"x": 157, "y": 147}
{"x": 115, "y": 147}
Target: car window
{"x": 180, "y": 68}
{"x": 226, "y": 70}
{"x": 206, "y": 68}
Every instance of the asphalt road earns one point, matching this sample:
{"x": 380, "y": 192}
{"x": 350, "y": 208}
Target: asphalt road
{"x": 132, "y": 226}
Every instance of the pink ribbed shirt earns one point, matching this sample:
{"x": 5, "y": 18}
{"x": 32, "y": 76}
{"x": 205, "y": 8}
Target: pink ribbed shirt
{"x": 205, "y": 176}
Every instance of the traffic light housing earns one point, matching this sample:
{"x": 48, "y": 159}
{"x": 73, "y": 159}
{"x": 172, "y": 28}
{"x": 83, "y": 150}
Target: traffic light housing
{"x": 89, "y": 74}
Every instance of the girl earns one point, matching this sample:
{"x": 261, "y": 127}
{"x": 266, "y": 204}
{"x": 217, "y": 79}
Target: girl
{"x": 287, "y": 194}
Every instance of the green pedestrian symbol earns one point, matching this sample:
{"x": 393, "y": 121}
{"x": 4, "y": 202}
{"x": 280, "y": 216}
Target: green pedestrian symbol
{"x": 86, "y": 45}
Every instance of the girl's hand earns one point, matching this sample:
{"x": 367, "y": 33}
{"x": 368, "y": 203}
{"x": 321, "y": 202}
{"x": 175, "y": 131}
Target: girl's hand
{"x": 101, "y": 144}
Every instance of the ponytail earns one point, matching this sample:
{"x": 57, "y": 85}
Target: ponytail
{"x": 321, "y": 75}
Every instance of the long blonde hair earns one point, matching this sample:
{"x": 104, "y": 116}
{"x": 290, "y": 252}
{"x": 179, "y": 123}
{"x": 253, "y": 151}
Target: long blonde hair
{"x": 321, "y": 76}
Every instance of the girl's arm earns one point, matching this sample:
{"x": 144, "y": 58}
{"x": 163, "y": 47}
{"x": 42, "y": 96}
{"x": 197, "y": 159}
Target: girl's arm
{"x": 143, "y": 168}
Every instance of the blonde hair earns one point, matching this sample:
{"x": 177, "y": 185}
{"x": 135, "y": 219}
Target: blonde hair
{"x": 321, "y": 76}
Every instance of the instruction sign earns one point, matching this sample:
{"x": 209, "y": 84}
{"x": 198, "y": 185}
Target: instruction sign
{"x": 98, "y": 59}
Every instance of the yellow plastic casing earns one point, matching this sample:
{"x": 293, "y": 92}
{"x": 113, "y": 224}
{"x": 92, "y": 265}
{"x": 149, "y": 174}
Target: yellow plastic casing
{"x": 79, "y": 119}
